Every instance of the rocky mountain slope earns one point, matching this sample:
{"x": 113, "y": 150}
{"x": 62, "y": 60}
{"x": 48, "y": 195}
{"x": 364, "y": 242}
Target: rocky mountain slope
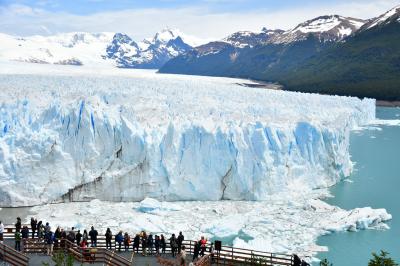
{"x": 328, "y": 54}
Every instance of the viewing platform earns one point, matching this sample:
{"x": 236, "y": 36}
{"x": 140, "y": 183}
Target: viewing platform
{"x": 33, "y": 252}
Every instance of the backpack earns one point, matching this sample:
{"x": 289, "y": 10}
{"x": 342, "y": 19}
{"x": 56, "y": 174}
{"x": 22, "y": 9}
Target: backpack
{"x": 17, "y": 236}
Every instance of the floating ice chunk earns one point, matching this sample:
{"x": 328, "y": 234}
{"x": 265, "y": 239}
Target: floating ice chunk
{"x": 226, "y": 227}
{"x": 149, "y": 205}
{"x": 387, "y": 122}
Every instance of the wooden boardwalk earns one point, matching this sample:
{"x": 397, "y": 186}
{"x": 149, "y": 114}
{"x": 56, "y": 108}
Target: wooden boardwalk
{"x": 226, "y": 256}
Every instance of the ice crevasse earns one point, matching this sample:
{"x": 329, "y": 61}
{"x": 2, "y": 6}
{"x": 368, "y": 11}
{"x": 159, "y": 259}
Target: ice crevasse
{"x": 132, "y": 138}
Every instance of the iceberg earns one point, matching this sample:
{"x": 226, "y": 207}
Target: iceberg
{"x": 149, "y": 205}
{"x": 124, "y": 135}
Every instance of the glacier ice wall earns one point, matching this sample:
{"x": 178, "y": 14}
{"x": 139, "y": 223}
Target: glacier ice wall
{"x": 168, "y": 137}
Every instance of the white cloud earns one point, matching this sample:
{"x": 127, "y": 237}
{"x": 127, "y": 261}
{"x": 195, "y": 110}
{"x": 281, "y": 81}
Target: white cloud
{"x": 197, "y": 21}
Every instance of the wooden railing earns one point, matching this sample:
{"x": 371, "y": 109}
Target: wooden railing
{"x": 12, "y": 257}
{"x": 228, "y": 255}
{"x": 204, "y": 261}
{"x": 90, "y": 255}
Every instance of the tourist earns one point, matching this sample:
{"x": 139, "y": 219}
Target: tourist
{"x": 1, "y": 232}
{"x": 83, "y": 243}
{"x": 163, "y": 244}
{"x": 25, "y": 232}
{"x": 93, "y": 237}
{"x": 85, "y": 235}
{"x": 25, "y": 235}
{"x": 71, "y": 235}
{"x": 49, "y": 237}
{"x": 180, "y": 241}
{"x": 33, "y": 226}
{"x": 136, "y": 243}
{"x": 119, "y": 238}
{"x": 150, "y": 244}
{"x": 78, "y": 237}
{"x": 40, "y": 230}
{"x": 173, "y": 244}
{"x": 304, "y": 263}
{"x": 127, "y": 241}
{"x": 108, "y": 236}
{"x": 211, "y": 250}
{"x": 182, "y": 256}
{"x": 296, "y": 260}
{"x": 17, "y": 237}
{"x": 203, "y": 243}
{"x": 196, "y": 250}
{"x": 38, "y": 227}
{"x": 144, "y": 243}
{"x": 57, "y": 237}
{"x": 157, "y": 244}
{"x": 18, "y": 225}
{"x": 63, "y": 238}
{"x": 47, "y": 228}
{"x": 85, "y": 250}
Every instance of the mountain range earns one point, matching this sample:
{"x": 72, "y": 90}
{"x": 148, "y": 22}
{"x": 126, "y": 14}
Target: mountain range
{"x": 329, "y": 54}
{"x": 81, "y": 48}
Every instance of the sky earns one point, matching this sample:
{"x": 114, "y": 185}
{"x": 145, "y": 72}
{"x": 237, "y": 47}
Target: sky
{"x": 205, "y": 19}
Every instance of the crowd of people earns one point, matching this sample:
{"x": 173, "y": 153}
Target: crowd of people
{"x": 149, "y": 244}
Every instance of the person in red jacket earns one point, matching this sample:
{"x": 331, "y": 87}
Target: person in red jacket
{"x": 203, "y": 242}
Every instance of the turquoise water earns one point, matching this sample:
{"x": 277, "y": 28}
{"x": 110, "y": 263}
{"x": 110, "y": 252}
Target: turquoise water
{"x": 376, "y": 183}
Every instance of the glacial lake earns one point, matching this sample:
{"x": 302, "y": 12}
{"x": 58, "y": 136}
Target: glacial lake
{"x": 375, "y": 182}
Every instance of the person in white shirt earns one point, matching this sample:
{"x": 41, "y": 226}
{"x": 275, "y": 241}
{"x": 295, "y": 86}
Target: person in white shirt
{"x": 1, "y": 232}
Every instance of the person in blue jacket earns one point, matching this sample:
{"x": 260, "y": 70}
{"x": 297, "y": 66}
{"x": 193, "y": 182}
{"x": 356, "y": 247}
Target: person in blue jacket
{"x": 119, "y": 238}
{"x": 49, "y": 238}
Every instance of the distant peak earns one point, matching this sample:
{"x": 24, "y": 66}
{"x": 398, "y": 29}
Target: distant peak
{"x": 328, "y": 22}
{"x": 392, "y": 14}
{"x": 166, "y": 34}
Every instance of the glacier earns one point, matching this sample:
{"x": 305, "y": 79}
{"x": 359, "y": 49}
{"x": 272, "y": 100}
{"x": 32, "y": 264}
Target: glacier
{"x": 71, "y": 134}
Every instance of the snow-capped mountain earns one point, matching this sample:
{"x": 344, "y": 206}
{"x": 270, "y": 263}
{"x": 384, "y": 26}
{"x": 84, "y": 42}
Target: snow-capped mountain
{"x": 68, "y": 48}
{"x": 150, "y": 53}
{"x": 250, "y": 39}
{"x": 240, "y": 39}
{"x": 393, "y": 15}
{"x": 92, "y": 48}
{"x": 122, "y": 46}
{"x": 325, "y": 28}
{"x": 331, "y": 28}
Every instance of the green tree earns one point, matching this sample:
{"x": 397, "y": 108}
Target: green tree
{"x": 325, "y": 262}
{"x": 61, "y": 259}
{"x": 381, "y": 260}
